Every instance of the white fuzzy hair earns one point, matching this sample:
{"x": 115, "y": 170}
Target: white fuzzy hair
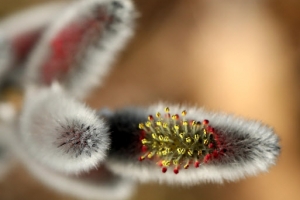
{"x": 116, "y": 188}
{"x": 61, "y": 132}
{"x": 107, "y": 188}
{"x": 98, "y": 57}
{"x": 252, "y": 148}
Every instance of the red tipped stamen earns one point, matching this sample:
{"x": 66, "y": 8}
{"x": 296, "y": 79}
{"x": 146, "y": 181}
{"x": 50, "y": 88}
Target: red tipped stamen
{"x": 177, "y": 142}
{"x": 210, "y": 129}
{"x": 164, "y": 170}
{"x": 141, "y": 158}
{"x": 160, "y": 163}
{"x": 196, "y": 164}
{"x": 150, "y": 117}
{"x": 176, "y": 170}
{"x": 205, "y": 122}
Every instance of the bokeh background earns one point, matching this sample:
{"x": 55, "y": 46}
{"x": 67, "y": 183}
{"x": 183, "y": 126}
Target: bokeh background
{"x": 240, "y": 57}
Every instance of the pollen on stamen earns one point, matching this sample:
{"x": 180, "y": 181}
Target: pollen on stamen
{"x": 177, "y": 142}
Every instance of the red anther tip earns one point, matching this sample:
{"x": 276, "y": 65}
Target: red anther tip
{"x": 205, "y": 122}
{"x": 144, "y": 148}
{"x": 164, "y": 169}
{"x": 141, "y": 159}
{"x": 207, "y": 157}
{"x": 160, "y": 164}
{"x": 210, "y": 129}
{"x": 210, "y": 145}
{"x": 150, "y": 117}
{"x": 168, "y": 115}
{"x": 186, "y": 167}
{"x": 176, "y": 171}
{"x": 196, "y": 164}
{"x": 176, "y": 116}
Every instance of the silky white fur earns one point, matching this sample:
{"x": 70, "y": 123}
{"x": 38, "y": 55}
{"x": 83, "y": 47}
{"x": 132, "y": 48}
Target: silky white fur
{"x": 252, "y": 134}
{"x": 113, "y": 188}
{"x": 48, "y": 115}
{"x": 98, "y": 58}
{"x": 108, "y": 188}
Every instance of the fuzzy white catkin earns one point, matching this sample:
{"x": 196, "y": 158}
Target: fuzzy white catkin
{"x": 110, "y": 187}
{"x": 252, "y": 147}
{"x": 61, "y": 132}
{"x": 20, "y": 24}
{"x": 107, "y": 186}
{"x": 96, "y": 59}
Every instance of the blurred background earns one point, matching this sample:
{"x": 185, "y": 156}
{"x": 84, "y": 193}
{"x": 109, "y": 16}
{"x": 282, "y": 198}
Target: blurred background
{"x": 240, "y": 57}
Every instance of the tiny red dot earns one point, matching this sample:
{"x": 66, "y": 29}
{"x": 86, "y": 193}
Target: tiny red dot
{"x": 176, "y": 116}
{"x": 210, "y": 129}
{"x": 176, "y": 171}
{"x": 164, "y": 169}
{"x": 141, "y": 159}
{"x": 150, "y": 117}
{"x": 196, "y": 164}
{"x": 205, "y": 122}
{"x": 210, "y": 145}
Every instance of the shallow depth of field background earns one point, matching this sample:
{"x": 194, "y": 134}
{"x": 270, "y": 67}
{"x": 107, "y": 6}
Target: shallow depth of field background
{"x": 241, "y": 57}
